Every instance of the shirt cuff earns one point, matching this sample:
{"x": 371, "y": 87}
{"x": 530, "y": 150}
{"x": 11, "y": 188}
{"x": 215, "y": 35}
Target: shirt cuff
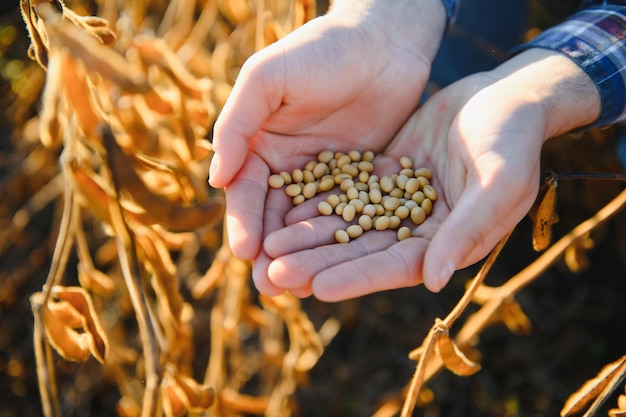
{"x": 452, "y": 10}
{"x": 594, "y": 38}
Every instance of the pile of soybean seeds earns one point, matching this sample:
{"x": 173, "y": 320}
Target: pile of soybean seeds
{"x": 376, "y": 203}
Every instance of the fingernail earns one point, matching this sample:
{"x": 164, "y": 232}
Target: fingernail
{"x": 213, "y": 168}
{"x": 442, "y": 279}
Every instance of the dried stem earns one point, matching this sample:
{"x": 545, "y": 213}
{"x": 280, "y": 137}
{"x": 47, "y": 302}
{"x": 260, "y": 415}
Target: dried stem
{"x": 43, "y": 354}
{"x": 478, "y": 321}
{"x": 131, "y": 271}
{"x": 443, "y": 325}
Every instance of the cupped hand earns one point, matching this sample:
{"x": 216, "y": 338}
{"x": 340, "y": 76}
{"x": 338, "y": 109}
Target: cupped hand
{"x": 482, "y": 138}
{"x": 344, "y": 79}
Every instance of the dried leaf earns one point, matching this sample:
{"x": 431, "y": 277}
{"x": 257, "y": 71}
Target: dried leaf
{"x": 236, "y": 11}
{"x": 166, "y": 212}
{"x": 64, "y": 326}
{"x": 80, "y": 300}
{"x": 576, "y": 254}
{"x": 514, "y": 318}
{"x": 154, "y": 51}
{"x": 592, "y": 388}
{"x": 182, "y": 394}
{"x": 453, "y": 358}
{"x": 95, "y": 280}
{"x": 543, "y": 212}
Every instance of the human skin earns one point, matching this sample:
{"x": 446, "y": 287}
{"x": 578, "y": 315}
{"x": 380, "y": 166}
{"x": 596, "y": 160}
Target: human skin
{"x": 348, "y": 79}
{"x": 482, "y": 137}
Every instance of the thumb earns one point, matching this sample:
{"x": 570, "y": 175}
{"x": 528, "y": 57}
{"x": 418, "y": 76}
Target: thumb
{"x": 254, "y": 97}
{"x": 480, "y": 219}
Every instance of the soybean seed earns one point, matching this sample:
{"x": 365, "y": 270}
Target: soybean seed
{"x": 404, "y": 233}
{"x": 320, "y": 169}
{"x": 355, "y": 155}
{"x": 276, "y": 181}
{"x": 375, "y": 196}
{"x": 430, "y": 192}
{"x": 297, "y": 200}
{"x": 342, "y": 236}
{"x": 368, "y": 156}
{"x": 308, "y": 176}
{"x": 402, "y": 212}
{"x": 287, "y": 177}
{"x": 366, "y": 166}
{"x": 401, "y": 181}
{"x": 325, "y": 156}
{"x": 391, "y": 203}
{"x": 386, "y": 184}
{"x": 406, "y": 162}
{"x": 343, "y": 160}
{"x": 382, "y": 223}
{"x": 427, "y": 205}
{"x": 333, "y": 200}
{"x": 412, "y": 185}
{"x": 339, "y": 208}
{"x": 346, "y": 185}
{"x": 394, "y": 222}
{"x": 423, "y": 172}
{"x": 310, "y": 190}
{"x": 310, "y": 165}
{"x": 358, "y": 205}
{"x": 354, "y": 231}
{"x": 327, "y": 184}
{"x": 418, "y": 215}
{"x": 406, "y": 171}
{"x": 365, "y": 222}
{"x": 297, "y": 176}
{"x": 352, "y": 193}
{"x": 418, "y": 197}
{"x": 293, "y": 190}
{"x": 396, "y": 192}
{"x": 348, "y": 213}
{"x": 423, "y": 181}
{"x": 325, "y": 208}
{"x": 350, "y": 170}
{"x": 369, "y": 210}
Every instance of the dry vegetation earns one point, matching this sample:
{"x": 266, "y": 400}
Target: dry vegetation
{"x": 139, "y": 308}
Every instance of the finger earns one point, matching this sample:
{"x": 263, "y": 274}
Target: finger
{"x": 398, "y": 266}
{"x": 479, "y": 220}
{"x": 253, "y": 98}
{"x": 297, "y": 269}
{"x": 245, "y": 200}
{"x": 303, "y": 292}
{"x": 318, "y": 231}
{"x": 260, "y": 278}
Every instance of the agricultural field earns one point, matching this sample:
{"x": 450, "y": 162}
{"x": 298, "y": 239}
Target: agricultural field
{"x": 119, "y": 295}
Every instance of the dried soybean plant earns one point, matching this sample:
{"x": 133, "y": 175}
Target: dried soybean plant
{"x": 498, "y": 306}
{"x": 130, "y": 97}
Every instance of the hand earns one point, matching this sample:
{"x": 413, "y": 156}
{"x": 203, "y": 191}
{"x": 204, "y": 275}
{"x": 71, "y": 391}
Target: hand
{"x": 482, "y": 138}
{"x": 350, "y": 77}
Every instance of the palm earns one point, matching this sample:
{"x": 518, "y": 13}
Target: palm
{"x": 303, "y": 94}
{"x": 484, "y": 184}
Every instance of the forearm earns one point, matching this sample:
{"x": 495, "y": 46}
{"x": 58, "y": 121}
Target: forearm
{"x": 593, "y": 39}
{"x": 554, "y": 85}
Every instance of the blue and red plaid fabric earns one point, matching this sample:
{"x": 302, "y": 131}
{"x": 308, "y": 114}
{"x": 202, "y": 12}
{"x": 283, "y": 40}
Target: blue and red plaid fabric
{"x": 452, "y": 9}
{"x": 594, "y": 38}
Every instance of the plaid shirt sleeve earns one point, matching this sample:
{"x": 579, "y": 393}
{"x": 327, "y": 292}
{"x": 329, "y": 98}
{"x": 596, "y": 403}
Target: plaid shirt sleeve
{"x": 594, "y": 38}
{"x": 452, "y": 9}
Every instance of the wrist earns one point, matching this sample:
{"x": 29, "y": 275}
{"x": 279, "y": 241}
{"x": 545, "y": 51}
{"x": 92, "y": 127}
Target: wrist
{"x": 414, "y": 25}
{"x": 563, "y": 92}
